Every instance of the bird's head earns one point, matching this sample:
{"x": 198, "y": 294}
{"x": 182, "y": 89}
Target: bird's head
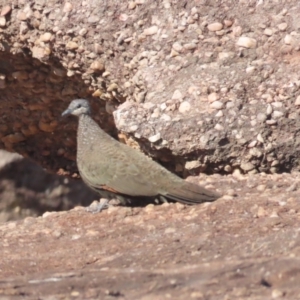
{"x": 77, "y": 107}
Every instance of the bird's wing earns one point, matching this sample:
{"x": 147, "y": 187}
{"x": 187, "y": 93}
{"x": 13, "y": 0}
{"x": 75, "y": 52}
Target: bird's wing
{"x": 123, "y": 171}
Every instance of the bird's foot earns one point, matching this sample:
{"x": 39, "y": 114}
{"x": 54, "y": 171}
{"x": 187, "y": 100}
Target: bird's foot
{"x": 162, "y": 199}
{"x": 98, "y": 206}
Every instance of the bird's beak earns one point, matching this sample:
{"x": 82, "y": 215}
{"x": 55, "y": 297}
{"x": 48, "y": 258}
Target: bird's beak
{"x": 66, "y": 112}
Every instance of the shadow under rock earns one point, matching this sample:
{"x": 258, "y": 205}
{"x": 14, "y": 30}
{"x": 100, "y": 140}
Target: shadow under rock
{"x": 27, "y": 190}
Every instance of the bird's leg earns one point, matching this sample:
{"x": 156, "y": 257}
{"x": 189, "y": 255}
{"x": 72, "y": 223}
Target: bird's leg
{"x": 107, "y": 199}
{"x": 97, "y": 207}
{"x": 163, "y": 199}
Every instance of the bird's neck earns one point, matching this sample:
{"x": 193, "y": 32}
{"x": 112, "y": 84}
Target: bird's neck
{"x": 88, "y": 133}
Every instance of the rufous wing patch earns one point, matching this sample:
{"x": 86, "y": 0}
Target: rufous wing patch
{"x": 107, "y": 188}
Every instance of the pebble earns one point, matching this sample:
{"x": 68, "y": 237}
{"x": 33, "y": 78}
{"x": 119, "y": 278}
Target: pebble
{"x": 213, "y": 97}
{"x": 191, "y": 165}
{"x": 277, "y": 114}
{"x": 228, "y": 23}
{"x": 97, "y": 66}
{"x": 292, "y": 187}
{"x": 170, "y": 230}
{"x": 268, "y": 31}
{"x": 219, "y": 114}
{"x": 252, "y": 144}
{"x": 231, "y": 192}
{"x": 190, "y": 46}
{"x": 288, "y": 39}
{"x": 131, "y": 5}
{"x": 177, "y": 95}
{"x": 67, "y": 7}
{"x": 154, "y": 138}
{"x": 260, "y": 138}
{"x": 282, "y": 26}
{"x": 215, "y": 26}
{"x": 261, "y": 117}
{"x": 219, "y": 127}
{"x": 5, "y": 10}
{"x": 71, "y": 45}
{"x": 93, "y": 19}
{"x": 277, "y": 294}
{"x": 246, "y": 42}
{"x": 2, "y": 21}
{"x": 261, "y": 212}
{"x": 151, "y": 30}
{"x": 261, "y": 187}
{"x": 217, "y": 105}
{"x": 297, "y": 102}
{"x": 177, "y": 47}
{"x": 269, "y": 109}
{"x": 83, "y": 31}
{"x": 250, "y": 69}
{"x": 184, "y": 107}
{"x": 48, "y": 213}
{"x": 228, "y": 169}
{"x": 230, "y": 104}
{"x": 247, "y": 166}
{"x": 46, "y": 37}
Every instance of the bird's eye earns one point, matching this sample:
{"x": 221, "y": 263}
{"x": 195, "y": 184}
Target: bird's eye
{"x": 78, "y": 106}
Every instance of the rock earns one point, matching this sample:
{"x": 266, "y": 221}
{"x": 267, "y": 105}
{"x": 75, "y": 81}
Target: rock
{"x": 93, "y": 19}
{"x": 177, "y": 47}
{"x": 217, "y": 105}
{"x": 191, "y": 165}
{"x": 247, "y": 166}
{"x": 71, "y": 45}
{"x": 268, "y": 31}
{"x": 5, "y": 10}
{"x": 177, "y": 95}
{"x": 2, "y": 21}
{"x": 46, "y": 37}
{"x": 215, "y": 26}
{"x": 184, "y": 107}
{"x": 67, "y": 7}
{"x": 282, "y": 26}
{"x": 297, "y": 102}
{"x": 151, "y": 30}
{"x": 213, "y": 97}
{"x": 246, "y": 42}
{"x": 288, "y": 39}
{"x": 154, "y": 138}
{"x": 97, "y": 66}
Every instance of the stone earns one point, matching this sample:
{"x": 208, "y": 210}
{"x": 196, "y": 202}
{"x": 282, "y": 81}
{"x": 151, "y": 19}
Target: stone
{"x": 71, "y": 45}
{"x": 297, "y": 102}
{"x": 151, "y": 30}
{"x": 282, "y": 26}
{"x": 215, "y": 26}
{"x": 217, "y": 105}
{"x": 246, "y": 42}
{"x": 184, "y": 107}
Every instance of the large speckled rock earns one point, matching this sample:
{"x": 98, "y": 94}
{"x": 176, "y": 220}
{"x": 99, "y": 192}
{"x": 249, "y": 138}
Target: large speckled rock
{"x": 197, "y": 80}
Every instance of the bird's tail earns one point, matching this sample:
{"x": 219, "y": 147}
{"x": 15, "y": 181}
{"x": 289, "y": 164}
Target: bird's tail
{"x": 190, "y": 193}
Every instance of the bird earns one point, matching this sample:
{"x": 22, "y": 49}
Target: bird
{"x": 117, "y": 171}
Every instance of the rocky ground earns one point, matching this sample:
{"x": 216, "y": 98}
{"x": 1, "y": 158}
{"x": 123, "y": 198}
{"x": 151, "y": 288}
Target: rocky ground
{"x": 245, "y": 245}
{"x": 202, "y": 86}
